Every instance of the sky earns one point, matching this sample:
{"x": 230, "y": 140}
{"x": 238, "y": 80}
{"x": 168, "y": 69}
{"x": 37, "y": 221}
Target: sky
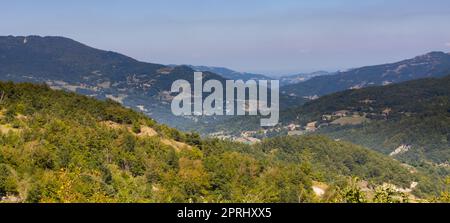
{"x": 275, "y": 37}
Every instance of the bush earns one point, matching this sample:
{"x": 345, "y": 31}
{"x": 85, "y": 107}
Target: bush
{"x": 8, "y": 183}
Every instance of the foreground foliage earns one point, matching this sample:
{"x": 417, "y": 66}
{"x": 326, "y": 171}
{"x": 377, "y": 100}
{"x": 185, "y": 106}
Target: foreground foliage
{"x": 61, "y": 147}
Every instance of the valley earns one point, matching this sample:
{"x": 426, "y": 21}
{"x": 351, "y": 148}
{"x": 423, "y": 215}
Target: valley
{"x": 56, "y": 148}
{"x": 78, "y": 124}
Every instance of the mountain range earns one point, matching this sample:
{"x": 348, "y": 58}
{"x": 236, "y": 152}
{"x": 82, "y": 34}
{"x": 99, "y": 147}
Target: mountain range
{"x": 301, "y": 77}
{"x": 236, "y": 75}
{"x": 231, "y": 74}
{"x": 434, "y": 64}
{"x": 63, "y": 63}
{"x": 387, "y": 125}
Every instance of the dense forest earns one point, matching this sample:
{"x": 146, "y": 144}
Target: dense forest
{"x": 414, "y": 113}
{"x": 57, "y": 146}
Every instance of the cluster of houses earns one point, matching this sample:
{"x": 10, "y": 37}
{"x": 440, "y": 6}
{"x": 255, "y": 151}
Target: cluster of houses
{"x": 299, "y": 130}
{"x": 292, "y": 128}
{"x": 335, "y": 115}
{"x": 245, "y": 137}
{"x": 341, "y": 117}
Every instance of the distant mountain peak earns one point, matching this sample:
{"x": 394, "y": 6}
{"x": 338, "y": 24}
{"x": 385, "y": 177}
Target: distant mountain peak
{"x": 432, "y": 55}
{"x": 301, "y": 77}
{"x": 63, "y": 63}
{"x": 42, "y": 42}
{"x": 37, "y": 37}
{"x": 230, "y": 74}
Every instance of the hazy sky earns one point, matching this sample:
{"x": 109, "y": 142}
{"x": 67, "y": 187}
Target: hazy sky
{"x": 273, "y": 37}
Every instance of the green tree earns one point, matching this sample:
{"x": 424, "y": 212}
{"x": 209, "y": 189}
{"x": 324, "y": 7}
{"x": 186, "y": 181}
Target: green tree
{"x": 8, "y": 182}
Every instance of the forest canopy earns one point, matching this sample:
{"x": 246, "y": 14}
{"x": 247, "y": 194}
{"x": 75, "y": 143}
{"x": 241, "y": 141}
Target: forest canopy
{"x": 57, "y": 146}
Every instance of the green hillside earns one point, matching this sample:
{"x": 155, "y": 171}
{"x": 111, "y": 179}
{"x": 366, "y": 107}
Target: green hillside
{"x": 57, "y": 146}
{"x": 415, "y": 114}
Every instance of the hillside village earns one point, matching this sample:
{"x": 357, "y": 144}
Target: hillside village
{"x": 341, "y": 117}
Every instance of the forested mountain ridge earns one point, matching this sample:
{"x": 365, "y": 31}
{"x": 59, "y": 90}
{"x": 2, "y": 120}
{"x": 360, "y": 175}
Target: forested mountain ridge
{"x": 413, "y": 115}
{"x": 433, "y": 64}
{"x": 63, "y": 63}
{"x": 57, "y": 146}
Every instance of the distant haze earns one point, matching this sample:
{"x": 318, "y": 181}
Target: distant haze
{"x": 269, "y": 37}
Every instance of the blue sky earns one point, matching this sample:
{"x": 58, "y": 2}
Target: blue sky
{"x": 272, "y": 37}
